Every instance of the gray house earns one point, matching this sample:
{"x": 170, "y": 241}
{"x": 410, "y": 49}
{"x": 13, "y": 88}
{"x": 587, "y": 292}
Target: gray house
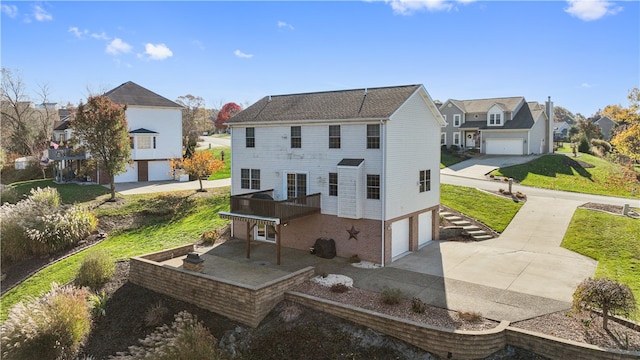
{"x": 499, "y": 126}
{"x": 606, "y": 125}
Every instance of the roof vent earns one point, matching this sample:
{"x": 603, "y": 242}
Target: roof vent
{"x": 365, "y": 91}
{"x": 269, "y": 98}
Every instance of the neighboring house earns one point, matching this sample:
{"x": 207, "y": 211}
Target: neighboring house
{"x": 561, "y": 130}
{"x": 357, "y": 166}
{"x": 155, "y": 130}
{"x": 606, "y": 126}
{"x": 499, "y": 126}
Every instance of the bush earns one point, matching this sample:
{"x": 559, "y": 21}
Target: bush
{"x": 58, "y": 231}
{"x": 470, "y": 316}
{"x": 185, "y": 339}
{"x": 99, "y": 303}
{"x": 9, "y": 195}
{"x": 418, "y": 306}
{"x": 391, "y": 296}
{"x": 605, "y": 146}
{"x": 155, "y": 315}
{"x": 96, "y": 268}
{"x": 52, "y": 327}
{"x": 609, "y": 296}
{"x": 583, "y": 145}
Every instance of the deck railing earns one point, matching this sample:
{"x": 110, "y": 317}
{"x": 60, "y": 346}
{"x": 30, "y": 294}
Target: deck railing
{"x": 66, "y": 154}
{"x": 284, "y": 210}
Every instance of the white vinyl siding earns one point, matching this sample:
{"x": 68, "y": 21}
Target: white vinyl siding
{"x": 350, "y": 191}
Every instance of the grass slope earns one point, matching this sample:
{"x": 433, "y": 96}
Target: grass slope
{"x": 561, "y": 172}
{"x": 494, "y": 211}
{"x": 170, "y": 220}
{"x": 69, "y": 193}
{"x": 612, "y": 240}
{"x": 226, "y": 172}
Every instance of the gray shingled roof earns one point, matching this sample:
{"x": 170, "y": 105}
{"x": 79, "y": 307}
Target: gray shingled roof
{"x": 131, "y": 93}
{"x": 483, "y": 105}
{"x": 522, "y": 120}
{"x": 342, "y": 105}
{"x": 142, "y": 131}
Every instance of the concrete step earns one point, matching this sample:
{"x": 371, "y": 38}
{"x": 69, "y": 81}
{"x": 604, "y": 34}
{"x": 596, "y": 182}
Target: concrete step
{"x": 470, "y": 227}
{"x": 461, "y": 223}
{"x": 482, "y": 237}
{"x": 445, "y": 213}
{"x": 453, "y": 218}
{"x": 476, "y": 232}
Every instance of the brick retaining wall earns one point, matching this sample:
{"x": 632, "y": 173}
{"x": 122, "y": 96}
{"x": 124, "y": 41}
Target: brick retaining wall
{"x": 243, "y": 303}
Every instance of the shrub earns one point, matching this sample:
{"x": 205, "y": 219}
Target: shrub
{"x": 602, "y": 144}
{"x": 96, "y": 268}
{"x": 51, "y": 327}
{"x": 209, "y": 237}
{"x": 99, "y": 303}
{"x": 391, "y": 296}
{"x": 186, "y": 338}
{"x": 609, "y": 296}
{"x": 418, "y": 306}
{"x": 9, "y": 195}
{"x": 155, "y": 314}
{"x": 339, "y": 288}
{"x": 470, "y": 316}
{"x": 583, "y": 145}
{"x": 58, "y": 231}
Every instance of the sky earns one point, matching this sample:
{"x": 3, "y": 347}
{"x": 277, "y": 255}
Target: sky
{"x": 584, "y": 54}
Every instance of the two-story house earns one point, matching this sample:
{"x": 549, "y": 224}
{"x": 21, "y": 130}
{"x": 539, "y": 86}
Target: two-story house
{"x": 498, "y": 126}
{"x": 155, "y": 130}
{"x": 607, "y": 126}
{"x": 357, "y": 166}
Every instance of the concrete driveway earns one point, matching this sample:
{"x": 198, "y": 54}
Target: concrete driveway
{"x": 478, "y": 167}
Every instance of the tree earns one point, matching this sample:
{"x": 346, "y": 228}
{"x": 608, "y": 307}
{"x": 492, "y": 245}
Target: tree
{"x": 609, "y": 296}
{"x": 561, "y": 114}
{"x": 194, "y": 121}
{"x": 627, "y": 141}
{"x": 589, "y": 129}
{"x": 101, "y": 126}
{"x": 228, "y": 110}
{"x": 625, "y": 115}
{"x": 201, "y": 164}
{"x": 25, "y": 129}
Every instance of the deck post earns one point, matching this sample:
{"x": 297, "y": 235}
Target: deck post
{"x": 278, "y": 241}
{"x": 248, "y": 239}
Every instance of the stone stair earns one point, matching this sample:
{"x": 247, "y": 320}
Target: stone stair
{"x": 474, "y": 231}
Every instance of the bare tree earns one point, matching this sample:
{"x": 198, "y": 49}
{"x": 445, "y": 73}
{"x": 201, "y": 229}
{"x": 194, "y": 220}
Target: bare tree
{"x": 194, "y": 121}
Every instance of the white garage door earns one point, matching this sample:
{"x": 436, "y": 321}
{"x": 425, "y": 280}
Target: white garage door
{"x": 131, "y": 175}
{"x": 399, "y": 237}
{"x": 424, "y": 228}
{"x": 504, "y": 147}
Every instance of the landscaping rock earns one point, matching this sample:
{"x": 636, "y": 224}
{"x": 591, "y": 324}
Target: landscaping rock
{"x": 325, "y": 248}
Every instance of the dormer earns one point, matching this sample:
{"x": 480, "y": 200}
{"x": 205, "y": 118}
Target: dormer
{"x": 496, "y": 115}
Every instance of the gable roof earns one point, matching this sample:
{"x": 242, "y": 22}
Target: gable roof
{"x": 342, "y": 105}
{"x": 483, "y": 105}
{"x": 131, "y": 93}
{"x": 603, "y": 120}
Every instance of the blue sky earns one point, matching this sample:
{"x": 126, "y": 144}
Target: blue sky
{"x": 584, "y": 54}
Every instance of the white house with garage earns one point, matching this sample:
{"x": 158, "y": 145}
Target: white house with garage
{"x": 498, "y": 126}
{"x": 358, "y": 166}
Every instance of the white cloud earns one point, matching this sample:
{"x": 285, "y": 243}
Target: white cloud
{"x": 589, "y": 10}
{"x": 10, "y": 10}
{"x": 100, "y": 36}
{"x": 586, "y": 85}
{"x": 242, "y": 55}
{"x": 77, "y": 32}
{"x": 117, "y": 46}
{"x": 157, "y": 52}
{"x": 407, "y": 7}
{"x": 282, "y": 24}
{"x": 41, "y": 14}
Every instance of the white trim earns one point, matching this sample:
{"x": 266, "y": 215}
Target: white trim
{"x": 457, "y": 117}
{"x": 284, "y": 181}
{"x": 458, "y": 138}
{"x": 443, "y": 136}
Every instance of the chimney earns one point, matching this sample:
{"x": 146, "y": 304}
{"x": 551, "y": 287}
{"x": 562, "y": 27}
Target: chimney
{"x": 549, "y": 127}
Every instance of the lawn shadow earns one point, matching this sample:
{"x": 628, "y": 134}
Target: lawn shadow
{"x": 549, "y": 166}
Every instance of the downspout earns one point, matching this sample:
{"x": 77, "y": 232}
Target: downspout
{"x": 231, "y": 137}
{"x": 383, "y": 186}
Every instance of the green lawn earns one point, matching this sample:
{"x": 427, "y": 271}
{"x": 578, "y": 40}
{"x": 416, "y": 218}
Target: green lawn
{"x": 561, "y": 172}
{"x": 612, "y": 240}
{"x": 226, "y": 172}
{"x": 69, "y": 193}
{"x": 447, "y": 159}
{"x": 474, "y": 203}
{"x": 170, "y": 220}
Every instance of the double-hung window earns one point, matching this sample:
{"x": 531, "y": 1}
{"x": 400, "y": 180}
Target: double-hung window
{"x": 296, "y": 137}
{"x": 250, "y": 135}
{"x": 333, "y": 184}
{"x": 373, "y": 186}
{"x": 334, "y": 136}
{"x": 443, "y": 138}
{"x": 456, "y": 139}
{"x": 250, "y": 179}
{"x": 373, "y": 136}
{"x": 456, "y": 120}
{"x": 425, "y": 180}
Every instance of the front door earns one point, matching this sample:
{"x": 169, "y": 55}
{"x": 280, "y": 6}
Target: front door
{"x": 470, "y": 140}
{"x": 143, "y": 170}
{"x": 265, "y": 233}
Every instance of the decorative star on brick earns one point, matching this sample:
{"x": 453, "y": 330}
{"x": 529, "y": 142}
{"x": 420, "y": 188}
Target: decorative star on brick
{"x": 353, "y": 233}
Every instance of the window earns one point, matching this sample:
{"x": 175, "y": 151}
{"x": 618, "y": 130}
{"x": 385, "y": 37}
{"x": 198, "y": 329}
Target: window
{"x": 425, "y": 180}
{"x": 495, "y": 119}
{"x": 296, "y": 185}
{"x": 144, "y": 142}
{"x": 62, "y": 138}
{"x": 131, "y": 141}
{"x": 445, "y": 120}
{"x": 250, "y": 179}
{"x": 154, "y": 142}
{"x": 333, "y": 184}
{"x": 250, "y": 134}
{"x": 373, "y": 186}
{"x": 443, "y": 138}
{"x": 296, "y": 137}
{"x": 456, "y": 120}
{"x": 456, "y": 139}
{"x": 373, "y": 136}
{"x": 334, "y": 136}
